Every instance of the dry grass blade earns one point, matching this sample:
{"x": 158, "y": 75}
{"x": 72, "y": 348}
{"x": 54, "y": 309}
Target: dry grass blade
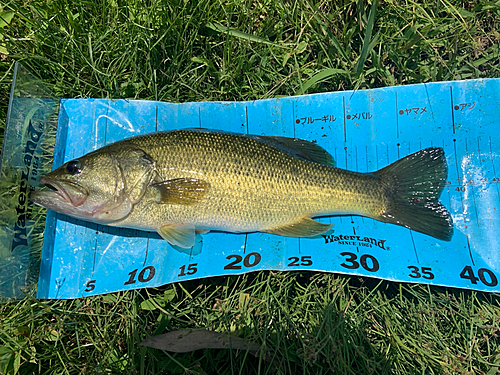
{"x": 184, "y": 341}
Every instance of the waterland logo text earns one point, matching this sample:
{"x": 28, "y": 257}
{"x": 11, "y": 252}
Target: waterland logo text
{"x": 355, "y": 241}
{"x": 30, "y": 170}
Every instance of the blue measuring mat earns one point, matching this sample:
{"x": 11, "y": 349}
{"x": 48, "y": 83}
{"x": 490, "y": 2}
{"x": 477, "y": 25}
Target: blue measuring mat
{"x": 363, "y": 130}
{"x": 27, "y": 153}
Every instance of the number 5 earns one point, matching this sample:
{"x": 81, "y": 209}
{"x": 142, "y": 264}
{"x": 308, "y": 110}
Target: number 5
{"x": 90, "y": 285}
{"x": 427, "y": 274}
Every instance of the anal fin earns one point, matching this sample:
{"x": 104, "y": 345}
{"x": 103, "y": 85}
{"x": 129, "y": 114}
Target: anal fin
{"x": 305, "y": 227}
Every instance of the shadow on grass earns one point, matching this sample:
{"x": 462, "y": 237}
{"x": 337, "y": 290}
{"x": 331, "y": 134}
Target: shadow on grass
{"x": 319, "y": 323}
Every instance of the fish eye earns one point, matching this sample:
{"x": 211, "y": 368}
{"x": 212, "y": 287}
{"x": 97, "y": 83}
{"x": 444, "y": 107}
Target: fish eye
{"x": 74, "y": 167}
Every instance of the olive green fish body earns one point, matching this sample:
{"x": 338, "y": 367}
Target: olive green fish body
{"x": 187, "y": 181}
{"x": 252, "y": 185}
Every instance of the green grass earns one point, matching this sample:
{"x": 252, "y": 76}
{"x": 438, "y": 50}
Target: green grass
{"x": 179, "y": 50}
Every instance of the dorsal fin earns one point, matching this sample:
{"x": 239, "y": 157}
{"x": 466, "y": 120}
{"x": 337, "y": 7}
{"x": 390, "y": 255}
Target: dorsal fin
{"x": 298, "y": 148}
{"x": 295, "y": 147}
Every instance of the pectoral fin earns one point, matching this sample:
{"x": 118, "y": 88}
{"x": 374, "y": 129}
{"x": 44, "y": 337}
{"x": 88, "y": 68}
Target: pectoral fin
{"x": 305, "y": 227}
{"x": 182, "y": 235}
{"x": 181, "y": 191}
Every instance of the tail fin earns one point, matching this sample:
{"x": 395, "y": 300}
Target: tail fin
{"x": 413, "y": 185}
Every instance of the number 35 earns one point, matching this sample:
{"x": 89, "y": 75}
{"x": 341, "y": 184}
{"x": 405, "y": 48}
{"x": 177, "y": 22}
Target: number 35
{"x": 426, "y": 272}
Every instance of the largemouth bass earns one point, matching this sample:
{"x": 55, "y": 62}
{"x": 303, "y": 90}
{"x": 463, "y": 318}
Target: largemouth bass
{"x": 184, "y": 182}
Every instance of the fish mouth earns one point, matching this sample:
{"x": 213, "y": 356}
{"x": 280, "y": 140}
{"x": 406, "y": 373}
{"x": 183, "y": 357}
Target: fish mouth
{"x": 72, "y": 198}
{"x": 69, "y": 191}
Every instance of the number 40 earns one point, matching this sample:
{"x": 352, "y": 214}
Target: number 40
{"x": 468, "y": 273}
